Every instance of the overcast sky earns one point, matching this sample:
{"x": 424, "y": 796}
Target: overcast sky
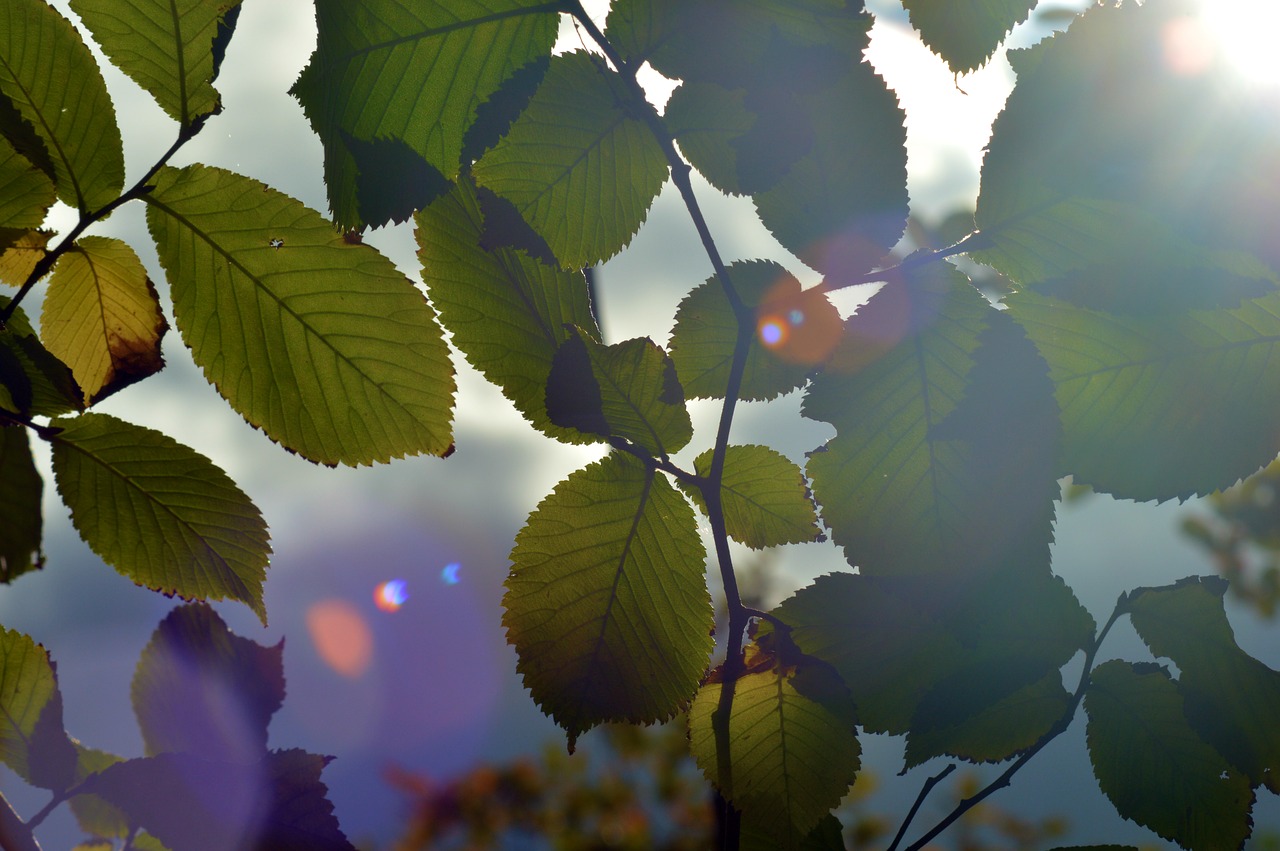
{"x": 438, "y": 690}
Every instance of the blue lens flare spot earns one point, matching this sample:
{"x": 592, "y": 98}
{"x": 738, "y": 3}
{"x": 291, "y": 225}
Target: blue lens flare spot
{"x": 772, "y": 332}
{"x": 449, "y": 575}
{"x": 391, "y": 595}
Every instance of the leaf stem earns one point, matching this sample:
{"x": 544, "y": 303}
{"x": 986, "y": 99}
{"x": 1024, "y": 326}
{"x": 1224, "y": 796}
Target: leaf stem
{"x": 43, "y": 432}
{"x": 140, "y": 188}
{"x": 973, "y": 242}
{"x": 1056, "y": 730}
{"x": 915, "y": 808}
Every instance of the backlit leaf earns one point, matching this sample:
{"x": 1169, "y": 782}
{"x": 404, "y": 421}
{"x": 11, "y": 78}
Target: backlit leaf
{"x": 194, "y": 804}
{"x": 318, "y": 341}
{"x": 827, "y": 836}
{"x": 165, "y": 46}
{"x": 21, "y": 491}
{"x": 414, "y": 71}
{"x": 505, "y": 310}
{"x": 966, "y": 32}
{"x": 26, "y": 193}
{"x": 626, "y": 390}
{"x": 95, "y": 816}
{"x": 843, "y": 205}
{"x": 199, "y": 688}
{"x": 766, "y": 502}
{"x": 938, "y": 463}
{"x": 102, "y": 317}
{"x": 705, "y": 119}
{"x": 32, "y": 741}
{"x": 19, "y": 257}
{"x": 1230, "y": 698}
{"x": 607, "y": 603}
{"x": 52, "y": 80}
{"x": 577, "y": 165}
{"x": 795, "y": 331}
{"x": 793, "y": 747}
{"x": 1156, "y": 407}
{"x": 1154, "y": 767}
{"x": 160, "y": 513}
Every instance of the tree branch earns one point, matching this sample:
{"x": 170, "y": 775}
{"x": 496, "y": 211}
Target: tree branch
{"x": 15, "y": 835}
{"x": 915, "y": 808}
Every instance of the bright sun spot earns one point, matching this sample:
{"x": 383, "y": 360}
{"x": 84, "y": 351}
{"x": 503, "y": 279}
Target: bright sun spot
{"x": 1245, "y": 31}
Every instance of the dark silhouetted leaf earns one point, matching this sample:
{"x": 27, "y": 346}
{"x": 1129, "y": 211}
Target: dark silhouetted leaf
{"x": 21, "y": 491}
{"x": 796, "y": 330}
{"x": 320, "y": 342}
{"x": 506, "y": 312}
{"x": 165, "y": 47}
{"x": 946, "y": 440}
{"x": 37, "y": 383}
{"x": 966, "y": 32}
{"x": 827, "y": 836}
{"x": 32, "y": 740}
{"x": 607, "y": 603}
{"x": 160, "y": 513}
{"x": 495, "y": 115}
{"x": 766, "y": 502}
{"x": 1230, "y": 698}
{"x": 393, "y": 182}
{"x": 793, "y": 745}
{"x": 626, "y": 390}
{"x": 577, "y": 165}
{"x": 51, "y": 79}
{"x": 102, "y": 317}
{"x": 201, "y": 689}
{"x": 1154, "y": 767}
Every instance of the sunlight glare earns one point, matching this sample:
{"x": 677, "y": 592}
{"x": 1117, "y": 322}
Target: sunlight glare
{"x": 1246, "y": 32}
{"x": 391, "y": 595}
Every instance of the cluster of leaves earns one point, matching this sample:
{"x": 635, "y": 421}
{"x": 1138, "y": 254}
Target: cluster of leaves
{"x": 1133, "y": 353}
{"x": 203, "y": 697}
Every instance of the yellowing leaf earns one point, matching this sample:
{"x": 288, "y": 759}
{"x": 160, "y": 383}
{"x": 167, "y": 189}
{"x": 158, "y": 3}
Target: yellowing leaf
{"x": 793, "y": 747}
{"x": 576, "y": 164}
{"x": 102, "y": 317}
{"x": 160, "y": 513}
{"x": 318, "y": 341}
{"x": 50, "y": 77}
{"x": 165, "y": 46}
{"x": 607, "y": 603}
{"x": 18, "y": 258}
{"x": 32, "y": 741}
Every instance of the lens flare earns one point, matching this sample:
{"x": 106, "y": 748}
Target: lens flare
{"x": 342, "y": 639}
{"x": 449, "y": 575}
{"x": 391, "y": 595}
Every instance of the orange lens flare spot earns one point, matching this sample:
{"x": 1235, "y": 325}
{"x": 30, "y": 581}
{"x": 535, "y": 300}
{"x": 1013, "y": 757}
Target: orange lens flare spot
{"x": 797, "y": 326}
{"x": 342, "y": 638}
{"x": 391, "y": 595}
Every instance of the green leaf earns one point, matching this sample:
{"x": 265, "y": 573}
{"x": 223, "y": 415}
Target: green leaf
{"x": 160, "y": 513}
{"x": 26, "y": 192}
{"x": 705, "y": 119}
{"x": 843, "y": 205}
{"x": 318, "y": 341}
{"x": 32, "y": 378}
{"x": 966, "y": 32}
{"x": 766, "y": 502}
{"x": 51, "y": 79}
{"x": 165, "y": 46}
{"x": 32, "y": 740}
{"x": 193, "y": 675}
{"x": 941, "y": 657}
{"x": 505, "y": 311}
{"x": 1156, "y": 407}
{"x": 577, "y": 165}
{"x": 793, "y": 748}
{"x": 795, "y": 330}
{"x": 1100, "y": 147}
{"x": 1230, "y": 698}
{"x": 95, "y": 816}
{"x": 944, "y": 457}
{"x": 21, "y": 491}
{"x": 827, "y": 836}
{"x": 626, "y": 390}
{"x": 1154, "y": 767}
{"x": 194, "y": 804}
{"x": 102, "y": 317}
{"x": 415, "y": 71}
{"x": 607, "y": 603}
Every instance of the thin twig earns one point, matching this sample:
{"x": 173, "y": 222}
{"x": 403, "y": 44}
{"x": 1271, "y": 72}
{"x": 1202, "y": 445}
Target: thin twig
{"x": 1056, "y": 730}
{"x": 14, "y": 834}
{"x": 973, "y": 242}
{"x": 44, "y": 432}
{"x": 915, "y": 808}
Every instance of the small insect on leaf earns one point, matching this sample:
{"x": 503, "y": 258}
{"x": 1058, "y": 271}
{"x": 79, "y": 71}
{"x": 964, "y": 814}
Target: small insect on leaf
{"x": 277, "y": 243}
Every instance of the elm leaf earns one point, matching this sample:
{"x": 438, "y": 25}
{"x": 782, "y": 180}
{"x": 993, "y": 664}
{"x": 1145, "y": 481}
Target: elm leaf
{"x": 766, "y": 502}
{"x": 32, "y": 740}
{"x": 160, "y": 513}
{"x": 21, "y": 490}
{"x": 966, "y": 32}
{"x": 318, "y": 341}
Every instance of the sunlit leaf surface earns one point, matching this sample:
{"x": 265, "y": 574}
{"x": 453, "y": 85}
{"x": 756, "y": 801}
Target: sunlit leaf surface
{"x": 32, "y": 741}
{"x": 765, "y": 499}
